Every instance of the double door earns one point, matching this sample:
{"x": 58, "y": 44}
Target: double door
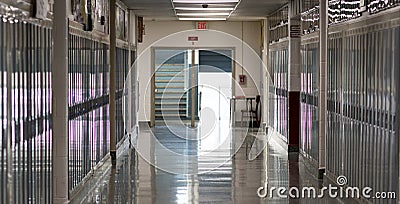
{"x": 184, "y": 79}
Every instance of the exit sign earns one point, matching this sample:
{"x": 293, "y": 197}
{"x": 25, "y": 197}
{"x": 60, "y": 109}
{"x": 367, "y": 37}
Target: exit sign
{"x": 201, "y": 26}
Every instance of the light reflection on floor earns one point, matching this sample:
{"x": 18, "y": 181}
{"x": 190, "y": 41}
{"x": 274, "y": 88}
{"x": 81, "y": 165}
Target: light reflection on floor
{"x": 134, "y": 180}
{"x": 212, "y": 163}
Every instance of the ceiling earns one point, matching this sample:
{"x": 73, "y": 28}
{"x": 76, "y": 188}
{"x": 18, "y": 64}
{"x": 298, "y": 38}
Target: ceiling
{"x": 164, "y": 9}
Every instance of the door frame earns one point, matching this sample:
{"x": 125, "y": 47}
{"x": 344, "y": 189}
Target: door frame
{"x": 153, "y": 78}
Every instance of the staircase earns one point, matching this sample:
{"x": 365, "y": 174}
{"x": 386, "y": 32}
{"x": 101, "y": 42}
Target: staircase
{"x": 170, "y": 95}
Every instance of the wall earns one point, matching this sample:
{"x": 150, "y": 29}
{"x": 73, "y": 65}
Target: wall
{"x": 220, "y": 34}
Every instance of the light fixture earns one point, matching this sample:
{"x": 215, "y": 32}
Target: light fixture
{"x": 202, "y": 14}
{"x": 202, "y": 19}
{"x": 205, "y": 1}
{"x": 204, "y": 9}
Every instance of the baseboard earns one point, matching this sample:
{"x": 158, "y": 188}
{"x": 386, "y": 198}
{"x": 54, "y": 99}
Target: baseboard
{"x": 144, "y": 123}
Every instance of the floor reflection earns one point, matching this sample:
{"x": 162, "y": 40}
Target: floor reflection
{"x": 237, "y": 180}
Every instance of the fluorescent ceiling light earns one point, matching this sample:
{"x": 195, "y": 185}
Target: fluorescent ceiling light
{"x": 205, "y": 1}
{"x": 205, "y": 9}
{"x": 202, "y": 19}
{"x": 202, "y": 14}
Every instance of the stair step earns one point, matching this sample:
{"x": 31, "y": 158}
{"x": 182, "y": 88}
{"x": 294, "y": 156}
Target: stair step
{"x": 175, "y": 65}
{"x": 180, "y": 111}
{"x": 170, "y": 99}
{"x": 177, "y": 95}
{"x": 174, "y": 110}
{"x": 170, "y": 92}
{"x": 161, "y": 95}
{"x": 168, "y": 103}
{"x": 170, "y": 87}
{"x": 171, "y": 108}
{"x": 168, "y": 115}
{"x": 169, "y": 75}
{"x": 171, "y": 119}
{"x": 169, "y": 81}
{"x": 163, "y": 109}
{"x": 176, "y": 70}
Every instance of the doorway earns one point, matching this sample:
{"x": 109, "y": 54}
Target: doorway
{"x": 190, "y": 82}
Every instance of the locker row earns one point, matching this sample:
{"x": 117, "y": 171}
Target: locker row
{"x": 89, "y": 103}
{"x": 122, "y": 69}
{"x": 362, "y": 97}
{"x": 25, "y": 110}
{"x": 309, "y": 100}
{"x": 279, "y": 59}
{"x": 362, "y": 137}
{"x": 309, "y": 96}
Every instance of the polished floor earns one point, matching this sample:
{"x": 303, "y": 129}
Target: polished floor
{"x": 189, "y": 173}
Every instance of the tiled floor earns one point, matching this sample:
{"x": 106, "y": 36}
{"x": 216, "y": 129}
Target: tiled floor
{"x": 198, "y": 176}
